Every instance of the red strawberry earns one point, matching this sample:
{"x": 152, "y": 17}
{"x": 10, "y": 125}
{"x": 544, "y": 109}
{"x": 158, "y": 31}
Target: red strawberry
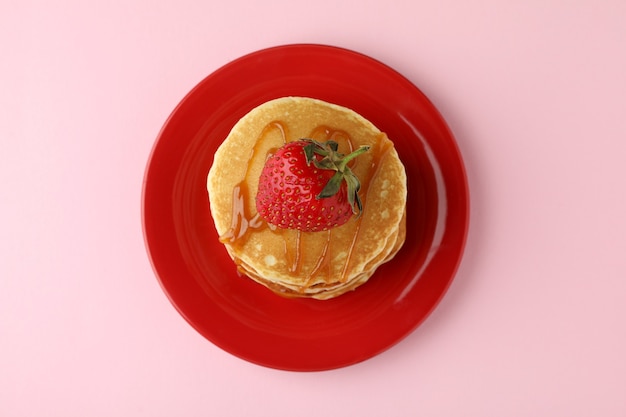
{"x": 307, "y": 185}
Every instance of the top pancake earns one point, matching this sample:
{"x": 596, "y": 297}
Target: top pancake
{"x": 307, "y": 263}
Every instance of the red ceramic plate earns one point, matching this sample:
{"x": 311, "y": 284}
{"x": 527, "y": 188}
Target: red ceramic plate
{"x": 246, "y": 319}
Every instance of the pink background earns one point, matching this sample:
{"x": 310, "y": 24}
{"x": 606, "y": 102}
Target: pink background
{"x": 534, "y": 323}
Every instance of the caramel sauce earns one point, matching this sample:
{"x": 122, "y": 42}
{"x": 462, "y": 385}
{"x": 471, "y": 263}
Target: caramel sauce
{"x": 292, "y": 250}
{"x": 323, "y": 133}
{"x": 322, "y": 261}
{"x": 244, "y": 222}
{"x": 241, "y": 219}
{"x": 385, "y": 147}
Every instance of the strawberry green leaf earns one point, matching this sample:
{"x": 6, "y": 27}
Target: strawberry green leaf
{"x": 309, "y": 153}
{"x": 335, "y": 161}
{"x": 332, "y": 145}
{"x": 353, "y": 191}
{"x": 332, "y": 186}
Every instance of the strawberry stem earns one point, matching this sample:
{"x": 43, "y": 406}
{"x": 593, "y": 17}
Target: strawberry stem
{"x": 344, "y": 161}
{"x": 333, "y": 160}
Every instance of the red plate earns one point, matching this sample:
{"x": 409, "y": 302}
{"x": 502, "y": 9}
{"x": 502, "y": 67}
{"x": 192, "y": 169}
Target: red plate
{"x": 246, "y": 319}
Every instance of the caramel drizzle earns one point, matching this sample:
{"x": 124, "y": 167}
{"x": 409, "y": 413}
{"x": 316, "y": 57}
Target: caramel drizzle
{"x": 325, "y": 133}
{"x": 385, "y": 146}
{"x": 322, "y": 261}
{"x": 240, "y": 225}
{"x": 293, "y": 257}
{"x": 243, "y": 223}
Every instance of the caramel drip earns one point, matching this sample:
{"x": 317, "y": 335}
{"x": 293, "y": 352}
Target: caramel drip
{"x": 241, "y": 219}
{"x": 385, "y": 146}
{"x": 323, "y": 133}
{"x": 322, "y": 261}
{"x": 293, "y": 251}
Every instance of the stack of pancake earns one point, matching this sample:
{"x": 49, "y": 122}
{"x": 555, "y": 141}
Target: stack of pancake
{"x": 319, "y": 265}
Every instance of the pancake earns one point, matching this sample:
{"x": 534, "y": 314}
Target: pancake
{"x": 307, "y": 264}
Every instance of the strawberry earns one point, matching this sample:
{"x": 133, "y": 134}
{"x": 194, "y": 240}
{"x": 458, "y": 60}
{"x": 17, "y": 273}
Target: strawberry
{"x": 306, "y": 185}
